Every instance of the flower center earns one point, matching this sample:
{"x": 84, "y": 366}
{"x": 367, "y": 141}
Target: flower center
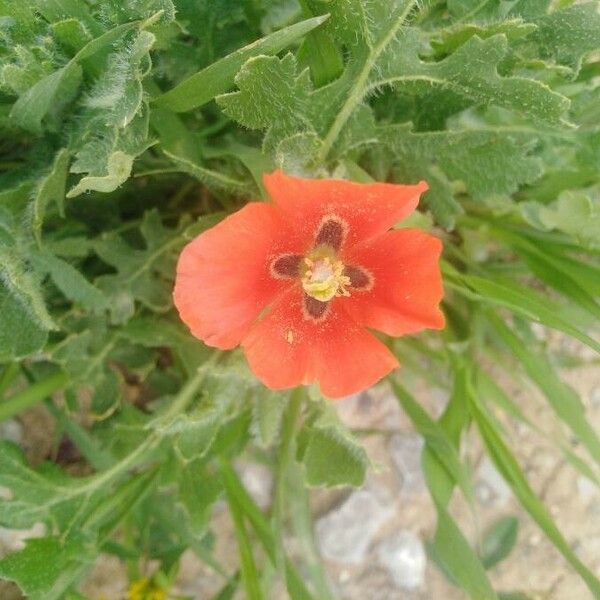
{"x": 324, "y": 278}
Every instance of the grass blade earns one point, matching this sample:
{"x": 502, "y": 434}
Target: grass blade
{"x": 218, "y": 77}
{"x": 512, "y": 473}
{"x": 563, "y": 399}
{"x": 437, "y": 441}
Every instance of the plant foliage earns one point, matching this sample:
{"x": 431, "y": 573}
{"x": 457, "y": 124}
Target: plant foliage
{"x": 127, "y": 128}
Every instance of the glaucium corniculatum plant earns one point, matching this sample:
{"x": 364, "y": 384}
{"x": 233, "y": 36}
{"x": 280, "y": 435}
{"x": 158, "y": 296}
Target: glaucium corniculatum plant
{"x": 264, "y": 159}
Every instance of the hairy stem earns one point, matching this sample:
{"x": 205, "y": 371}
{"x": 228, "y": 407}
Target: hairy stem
{"x": 32, "y": 395}
{"x": 360, "y": 87}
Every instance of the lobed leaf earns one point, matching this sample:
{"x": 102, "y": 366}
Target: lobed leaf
{"x": 471, "y": 71}
{"x": 219, "y": 77}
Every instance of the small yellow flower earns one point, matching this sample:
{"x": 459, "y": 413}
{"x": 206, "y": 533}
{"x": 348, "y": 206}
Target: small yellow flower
{"x": 145, "y": 589}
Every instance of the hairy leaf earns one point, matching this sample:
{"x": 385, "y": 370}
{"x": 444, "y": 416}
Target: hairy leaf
{"x": 218, "y": 78}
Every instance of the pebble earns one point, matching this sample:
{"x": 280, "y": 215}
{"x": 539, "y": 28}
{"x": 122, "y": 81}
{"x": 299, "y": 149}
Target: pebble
{"x": 440, "y": 398}
{"x": 12, "y": 540}
{"x": 587, "y": 489}
{"x": 11, "y": 431}
{"x": 491, "y": 489}
{"x": 258, "y": 480}
{"x": 345, "y": 533}
{"x": 595, "y": 397}
{"x": 405, "y": 450}
{"x": 403, "y": 556}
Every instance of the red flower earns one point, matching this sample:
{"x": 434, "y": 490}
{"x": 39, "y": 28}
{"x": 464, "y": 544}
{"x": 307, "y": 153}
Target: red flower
{"x": 298, "y": 283}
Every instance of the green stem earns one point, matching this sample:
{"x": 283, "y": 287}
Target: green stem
{"x": 285, "y": 455}
{"x": 302, "y": 523}
{"x": 248, "y": 568}
{"x": 360, "y": 87}
{"x": 32, "y": 395}
{"x": 9, "y": 373}
{"x": 185, "y": 396}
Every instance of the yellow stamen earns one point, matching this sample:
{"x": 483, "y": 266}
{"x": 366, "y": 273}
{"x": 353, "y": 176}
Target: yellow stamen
{"x": 324, "y": 278}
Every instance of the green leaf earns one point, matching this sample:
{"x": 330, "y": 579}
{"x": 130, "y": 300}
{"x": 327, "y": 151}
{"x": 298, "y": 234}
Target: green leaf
{"x": 50, "y": 189}
{"x": 554, "y": 274}
{"x": 89, "y": 445}
{"x": 319, "y": 52}
{"x": 142, "y": 275}
{"x": 211, "y": 178}
{"x": 155, "y": 333}
{"x": 470, "y": 72}
{"x": 86, "y": 357}
{"x": 36, "y": 496}
{"x": 118, "y": 169}
{"x": 438, "y": 443}
{"x": 449, "y": 39}
{"x": 454, "y": 420}
{"x": 282, "y": 107}
{"x": 71, "y": 33}
{"x": 457, "y": 558}
{"x": 267, "y": 413}
{"x": 220, "y": 413}
{"x": 529, "y": 304}
{"x": 47, "y": 567}
{"x": 245, "y": 505}
{"x": 107, "y": 153}
{"x": 443, "y": 469}
{"x": 198, "y": 490}
{"x": 218, "y": 77}
{"x": 488, "y": 389}
{"x": 332, "y": 458}
{"x": 250, "y": 577}
{"x": 562, "y": 398}
{"x": 510, "y": 470}
{"x": 568, "y": 35}
{"x": 20, "y": 334}
{"x": 70, "y": 281}
{"x": 575, "y": 213}
{"x": 486, "y": 162}
{"x": 55, "y": 10}
{"x": 32, "y": 395}
{"x": 118, "y": 92}
{"x": 32, "y": 106}
{"x": 24, "y": 288}
{"x": 498, "y": 541}
{"x": 530, "y": 9}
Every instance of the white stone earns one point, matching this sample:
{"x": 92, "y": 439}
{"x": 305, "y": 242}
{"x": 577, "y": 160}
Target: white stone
{"x": 440, "y": 398}
{"x": 403, "y": 556}
{"x": 258, "y": 480}
{"x": 11, "y": 431}
{"x": 491, "y": 489}
{"x": 595, "y": 397}
{"x": 406, "y": 450}
{"x": 587, "y": 489}
{"x": 345, "y": 533}
{"x": 12, "y": 540}
{"x": 540, "y": 332}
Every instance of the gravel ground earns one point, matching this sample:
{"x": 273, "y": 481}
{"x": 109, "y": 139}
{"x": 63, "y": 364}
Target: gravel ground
{"x": 372, "y": 539}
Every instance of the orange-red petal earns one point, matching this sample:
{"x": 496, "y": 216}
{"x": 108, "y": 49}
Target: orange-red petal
{"x": 407, "y": 283}
{"x": 285, "y": 350}
{"x": 369, "y": 209}
{"x": 223, "y": 280}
